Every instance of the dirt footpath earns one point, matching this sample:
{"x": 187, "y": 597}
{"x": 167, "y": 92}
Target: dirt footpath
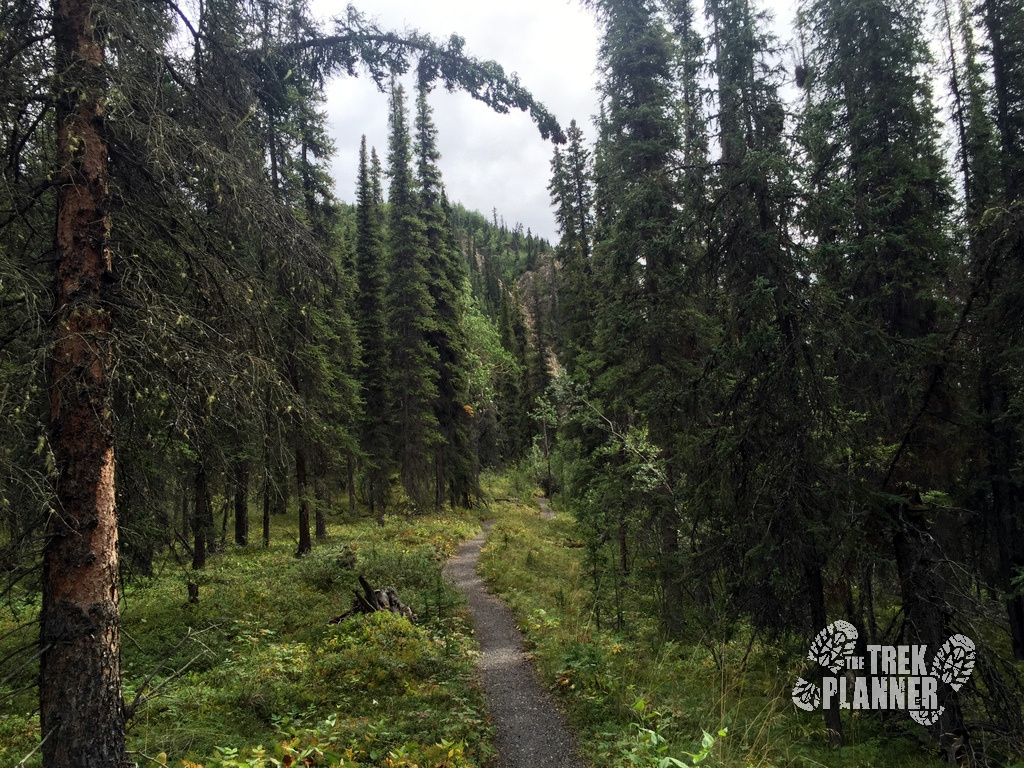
{"x": 531, "y": 731}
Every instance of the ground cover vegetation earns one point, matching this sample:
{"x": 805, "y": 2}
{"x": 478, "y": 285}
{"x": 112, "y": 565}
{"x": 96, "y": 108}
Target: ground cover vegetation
{"x": 770, "y": 374}
{"x": 635, "y": 697}
{"x": 255, "y": 674}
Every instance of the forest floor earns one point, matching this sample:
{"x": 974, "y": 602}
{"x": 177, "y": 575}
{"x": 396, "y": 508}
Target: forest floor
{"x": 255, "y": 675}
{"x": 719, "y": 696}
{"x": 530, "y": 729}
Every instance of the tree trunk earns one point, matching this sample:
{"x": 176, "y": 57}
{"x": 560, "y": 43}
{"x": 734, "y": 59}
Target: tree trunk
{"x": 819, "y": 620}
{"x": 1002, "y": 454}
{"x": 202, "y": 523}
{"x": 81, "y": 709}
{"x": 242, "y": 504}
{"x": 267, "y": 490}
{"x": 925, "y": 609}
{"x": 351, "y": 484}
{"x": 305, "y": 543}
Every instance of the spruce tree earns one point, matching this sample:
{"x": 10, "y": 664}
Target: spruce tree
{"x": 572, "y": 196}
{"x": 412, "y": 316}
{"x": 995, "y": 211}
{"x": 777, "y": 470}
{"x": 878, "y": 209}
{"x": 375, "y": 374}
{"x": 636, "y": 264}
{"x": 453, "y": 464}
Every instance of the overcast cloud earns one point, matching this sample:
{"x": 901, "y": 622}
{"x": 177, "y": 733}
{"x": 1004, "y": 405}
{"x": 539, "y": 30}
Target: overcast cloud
{"x": 488, "y": 160}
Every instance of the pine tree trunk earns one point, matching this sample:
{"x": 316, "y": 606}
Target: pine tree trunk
{"x": 267, "y": 490}
{"x": 81, "y": 709}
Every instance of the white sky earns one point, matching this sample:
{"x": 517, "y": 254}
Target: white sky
{"x": 488, "y": 160}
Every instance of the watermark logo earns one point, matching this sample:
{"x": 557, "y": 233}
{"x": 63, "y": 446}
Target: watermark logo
{"x": 889, "y": 677}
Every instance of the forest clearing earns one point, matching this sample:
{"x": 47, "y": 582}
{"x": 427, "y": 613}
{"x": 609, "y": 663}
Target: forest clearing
{"x": 750, "y": 429}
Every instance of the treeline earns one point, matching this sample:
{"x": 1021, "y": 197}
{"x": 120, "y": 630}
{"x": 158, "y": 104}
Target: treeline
{"x": 791, "y": 333}
{"x": 192, "y": 323}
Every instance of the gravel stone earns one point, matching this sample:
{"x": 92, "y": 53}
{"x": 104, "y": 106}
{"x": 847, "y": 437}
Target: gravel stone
{"x": 531, "y": 732}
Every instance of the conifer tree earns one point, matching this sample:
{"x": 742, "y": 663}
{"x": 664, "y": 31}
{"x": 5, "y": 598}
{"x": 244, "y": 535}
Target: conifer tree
{"x": 453, "y": 465}
{"x": 572, "y": 196}
{"x": 79, "y": 624}
{"x": 375, "y": 374}
{"x": 412, "y": 316}
{"x": 994, "y": 173}
{"x": 879, "y": 212}
{"x": 636, "y": 261}
{"x": 777, "y": 470}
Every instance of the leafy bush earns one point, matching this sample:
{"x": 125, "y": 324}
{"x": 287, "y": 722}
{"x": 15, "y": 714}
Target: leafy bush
{"x": 327, "y": 569}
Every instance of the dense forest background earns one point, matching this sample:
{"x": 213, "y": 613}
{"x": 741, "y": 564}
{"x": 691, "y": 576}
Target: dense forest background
{"x": 772, "y": 366}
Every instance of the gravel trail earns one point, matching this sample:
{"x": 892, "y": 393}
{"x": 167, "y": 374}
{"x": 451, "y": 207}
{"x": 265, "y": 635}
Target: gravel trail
{"x": 531, "y": 732}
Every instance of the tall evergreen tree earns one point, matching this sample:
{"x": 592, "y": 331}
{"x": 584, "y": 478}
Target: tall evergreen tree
{"x": 453, "y": 465}
{"x": 81, "y": 710}
{"x": 412, "y": 315}
{"x": 879, "y": 210}
{"x": 371, "y": 317}
{"x": 995, "y": 211}
{"x": 636, "y": 258}
{"x": 572, "y": 195}
{"x": 780, "y": 482}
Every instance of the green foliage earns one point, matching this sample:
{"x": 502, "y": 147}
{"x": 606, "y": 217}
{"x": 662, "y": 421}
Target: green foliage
{"x": 262, "y": 675}
{"x": 635, "y": 699}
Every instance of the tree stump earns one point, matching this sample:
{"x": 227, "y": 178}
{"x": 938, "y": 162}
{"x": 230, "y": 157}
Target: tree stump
{"x": 371, "y": 600}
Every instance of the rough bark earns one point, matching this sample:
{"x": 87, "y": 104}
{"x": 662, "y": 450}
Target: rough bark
{"x": 81, "y": 709}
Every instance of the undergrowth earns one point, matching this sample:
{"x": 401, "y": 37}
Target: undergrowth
{"x": 254, "y": 674}
{"x": 635, "y": 699}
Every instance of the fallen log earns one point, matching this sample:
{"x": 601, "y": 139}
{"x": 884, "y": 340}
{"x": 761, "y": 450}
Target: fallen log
{"x": 371, "y": 600}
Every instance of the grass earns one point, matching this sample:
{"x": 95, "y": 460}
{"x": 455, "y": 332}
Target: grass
{"x": 635, "y": 699}
{"x": 255, "y": 675}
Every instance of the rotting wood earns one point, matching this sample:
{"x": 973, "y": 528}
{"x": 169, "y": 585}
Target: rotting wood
{"x": 371, "y": 600}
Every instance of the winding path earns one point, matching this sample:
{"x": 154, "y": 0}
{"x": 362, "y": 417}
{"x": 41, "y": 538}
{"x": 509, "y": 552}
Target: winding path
{"x": 531, "y": 731}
